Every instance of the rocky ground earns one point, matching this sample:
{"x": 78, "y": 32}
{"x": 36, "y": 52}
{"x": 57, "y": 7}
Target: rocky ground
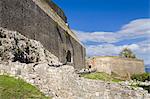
{"x": 27, "y": 59}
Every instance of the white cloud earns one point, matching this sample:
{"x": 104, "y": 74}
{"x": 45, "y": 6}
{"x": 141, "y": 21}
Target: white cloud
{"x": 142, "y": 50}
{"x": 96, "y": 36}
{"x": 140, "y": 26}
{"x": 108, "y": 49}
{"x": 135, "y": 29}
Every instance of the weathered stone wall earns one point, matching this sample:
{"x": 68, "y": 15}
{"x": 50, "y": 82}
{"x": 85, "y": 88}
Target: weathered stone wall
{"x": 58, "y": 10}
{"x": 120, "y": 66}
{"x": 48, "y": 74}
{"x": 64, "y": 83}
{"x": 27, "y": 17}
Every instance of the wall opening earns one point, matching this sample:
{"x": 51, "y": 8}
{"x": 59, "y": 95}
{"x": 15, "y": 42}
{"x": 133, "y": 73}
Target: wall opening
{"x": 68, "y": 57}
{"x": 90, "y": 66}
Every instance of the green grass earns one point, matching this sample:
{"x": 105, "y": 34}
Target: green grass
{"x": 11, "y": 88}
{"x": 100, "y": 76}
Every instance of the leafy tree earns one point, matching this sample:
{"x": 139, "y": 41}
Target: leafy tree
{"x": 127, "y": 53}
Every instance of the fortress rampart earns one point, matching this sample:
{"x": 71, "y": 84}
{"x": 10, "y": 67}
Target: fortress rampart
{"x": 123, "y": 67}
{"x": 39, "y": 20}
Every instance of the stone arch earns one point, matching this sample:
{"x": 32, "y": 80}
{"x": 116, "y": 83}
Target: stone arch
{"x": 68, "y": 57}
{"x": 90, "y": 66}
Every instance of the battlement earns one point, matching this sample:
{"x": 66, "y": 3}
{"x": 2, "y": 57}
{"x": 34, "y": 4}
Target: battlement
{"x": 58, "y": 10}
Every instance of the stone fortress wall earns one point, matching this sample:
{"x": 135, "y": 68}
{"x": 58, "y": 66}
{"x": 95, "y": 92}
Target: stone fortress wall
{"x": 36, "y": 19}
{"x": 58, "y": 10}
{"x": 53, "y": 79}
{"x": 120, "y": 66}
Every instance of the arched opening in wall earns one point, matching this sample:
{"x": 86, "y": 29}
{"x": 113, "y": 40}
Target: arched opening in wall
{"x": 90, "y": 66}
{"x": 68, "y": 57}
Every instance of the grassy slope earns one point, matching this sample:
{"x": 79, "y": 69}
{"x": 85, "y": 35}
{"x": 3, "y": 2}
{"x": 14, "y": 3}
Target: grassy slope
{"x": 11, "y": 88}
{"x": 100, "y": 76}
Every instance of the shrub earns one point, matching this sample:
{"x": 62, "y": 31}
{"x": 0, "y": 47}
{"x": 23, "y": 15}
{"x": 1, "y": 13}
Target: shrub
{"x": 141, "y": 77}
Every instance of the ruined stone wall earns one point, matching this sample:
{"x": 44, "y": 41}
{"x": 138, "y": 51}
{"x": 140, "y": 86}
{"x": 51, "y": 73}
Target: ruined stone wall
{"x": 29, "y": 18}
{"x": 48, "y": 74}
{"x": 120, "y": 66}
{"x": 64, "y": 83}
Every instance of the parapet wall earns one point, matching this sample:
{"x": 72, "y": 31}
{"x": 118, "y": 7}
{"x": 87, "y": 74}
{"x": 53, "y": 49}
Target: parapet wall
{"x": 59, "y": 11}
{"x": 35, "y": 19}
{"x": 119, "y": 66}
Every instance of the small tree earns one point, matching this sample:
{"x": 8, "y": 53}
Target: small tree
{"x": 127, "y": 53}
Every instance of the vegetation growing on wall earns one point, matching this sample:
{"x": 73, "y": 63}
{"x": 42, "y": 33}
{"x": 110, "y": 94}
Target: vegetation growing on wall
{"x": 127, "y": 53}
{"x": 141, "y": 77}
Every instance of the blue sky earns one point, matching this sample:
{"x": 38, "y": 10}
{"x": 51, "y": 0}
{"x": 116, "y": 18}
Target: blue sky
{"x": 107, "y": 26}
{"x": 102, "y": 15}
